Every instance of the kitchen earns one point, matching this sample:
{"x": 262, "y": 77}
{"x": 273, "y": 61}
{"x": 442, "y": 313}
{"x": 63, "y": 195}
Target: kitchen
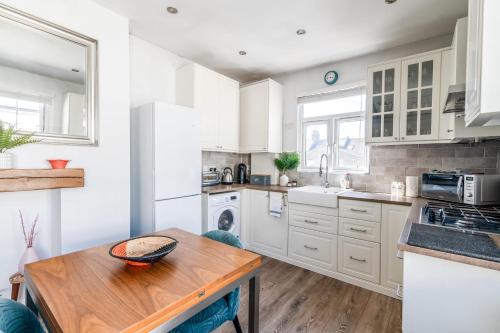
{"x": 362, "y": 167}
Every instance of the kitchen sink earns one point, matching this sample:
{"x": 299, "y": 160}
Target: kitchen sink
{"x": 315, "y": 195}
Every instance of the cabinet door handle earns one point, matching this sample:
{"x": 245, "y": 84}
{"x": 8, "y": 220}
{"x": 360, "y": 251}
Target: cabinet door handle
{"x": 399, "y": 291}
{"x": 402, "y": 138}
{"x": 357, "y": 259}
{"x": 449, "y": 131}
{"x": 359, "y": 210}
{"x": 309, "y": 221}
{"x": 311, "y": 248}
{"x": 359, "y": 230}
{"x": 396, "y": 138}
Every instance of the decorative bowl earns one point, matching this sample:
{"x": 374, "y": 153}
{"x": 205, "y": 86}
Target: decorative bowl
{"x": 58, "y": 164}
{"x": 144, "y": 250}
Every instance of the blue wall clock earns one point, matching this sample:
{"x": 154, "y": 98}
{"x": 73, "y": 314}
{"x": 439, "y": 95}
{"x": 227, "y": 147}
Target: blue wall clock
{"x": 331, "y": 77}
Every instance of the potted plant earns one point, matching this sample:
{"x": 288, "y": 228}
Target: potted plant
{"x": 286, "y": 161}
{"x": 9, "y": 139}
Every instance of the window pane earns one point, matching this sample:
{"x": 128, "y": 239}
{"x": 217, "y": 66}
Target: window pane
{"x": 8, "y": 116}
{"x": 412, "y": 100}
{"x": 427, "y": 73}
{"x": 336, "y": 106}
{"x": 425, "y": 122}
{"x": 388, "y": 103}
{"x": 426, "y": 98}
{"x": 7, "y": 101}
{"x": 377, "y": 82}
{"x": 316, "y": 143}
{"x": 411, "y": 123}
{"x": 377, "y": 104}
{"x": 389, "y": 80}
{"x": 412, "y": 76}
{"x": 351, "y": 144}
{"x": 388, "y": 124}
{"x": 29, "y": 105}
{"x": 28, "y": 121}
{"x": 376, "y": 126}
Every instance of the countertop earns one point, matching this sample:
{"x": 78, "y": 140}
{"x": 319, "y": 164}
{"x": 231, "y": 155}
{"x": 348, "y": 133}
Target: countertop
{"x": 216, "y": 189}
{"x": 376, "y": 197}
{"x": 474, "y": 249}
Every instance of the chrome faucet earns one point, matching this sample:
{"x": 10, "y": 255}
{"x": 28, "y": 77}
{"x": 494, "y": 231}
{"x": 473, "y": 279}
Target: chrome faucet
{"x": 327, "y": 184}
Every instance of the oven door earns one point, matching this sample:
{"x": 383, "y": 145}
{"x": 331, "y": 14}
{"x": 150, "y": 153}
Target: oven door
{"x": 447, "y": 187}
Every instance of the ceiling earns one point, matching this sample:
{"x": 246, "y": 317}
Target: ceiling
{"x": 212, "y": 32}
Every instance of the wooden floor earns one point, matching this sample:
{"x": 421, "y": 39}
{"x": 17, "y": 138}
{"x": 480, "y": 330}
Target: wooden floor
{"x": 293, "y": 299}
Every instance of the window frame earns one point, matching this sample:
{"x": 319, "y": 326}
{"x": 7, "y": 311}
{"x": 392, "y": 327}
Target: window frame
{"x": 17, "y": 109}
{"x": 332, "y": 146}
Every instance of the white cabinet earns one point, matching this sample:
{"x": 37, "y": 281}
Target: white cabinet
{"x": 267, "y": 234}
{"x": 420, "y": 88}
{"x": 383, "y": 103}
{"x": 361, "y": 210}
{"x": 313, "y": 248}
{"x": 393, "y": 221}
{"x": 359, "y": 258}
{"x": 217, "y": 99}
{"x": 482, "y": 104}
{"x": 261, "y": 117}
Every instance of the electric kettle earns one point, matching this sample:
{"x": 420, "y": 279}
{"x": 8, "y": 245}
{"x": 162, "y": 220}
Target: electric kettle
{"x": 227, "y": 176}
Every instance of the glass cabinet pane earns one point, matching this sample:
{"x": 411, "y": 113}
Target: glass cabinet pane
{"x": 377, "y": 104}
{"x": 412, "y": 76}
{"x": 412, "y": 100}
{"x": 389, "y": 80}
{"x": 411, "y": 123}
{"x": 389, "y": 103}
{"x": 426, "y": 98}
{"x": 427, "y": 73}
{"x": 388, "y": 124}
{"x": 425, "y": 122}
{"x": 376, "y": 126}
{"x": 377, "y": 82}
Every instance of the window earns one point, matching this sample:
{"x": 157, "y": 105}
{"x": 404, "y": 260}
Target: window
{"x": 334, "y": 124}
{"x": 22, "y": 112}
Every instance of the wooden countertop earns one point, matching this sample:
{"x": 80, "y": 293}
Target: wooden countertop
{"x": 90, "y": 291}
{"x": 376, "y": 197}
{"x": 216, "y": 189}
{"x": 14, "y": 180}
{"x": 414, "y": 217}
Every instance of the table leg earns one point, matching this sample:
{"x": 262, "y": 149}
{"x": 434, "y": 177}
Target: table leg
{"x": 29, "y": 302}
{"x": 253, "y": 305}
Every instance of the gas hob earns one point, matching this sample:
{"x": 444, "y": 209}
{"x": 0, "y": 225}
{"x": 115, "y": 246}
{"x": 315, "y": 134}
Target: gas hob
{"x": 464, "y": 217}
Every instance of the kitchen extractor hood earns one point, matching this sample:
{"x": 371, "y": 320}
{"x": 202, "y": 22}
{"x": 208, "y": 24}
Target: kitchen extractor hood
{"x": 455, "y": 102}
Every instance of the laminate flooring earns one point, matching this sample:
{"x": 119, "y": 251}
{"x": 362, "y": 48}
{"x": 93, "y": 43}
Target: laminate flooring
{"x": 293, "y": 299}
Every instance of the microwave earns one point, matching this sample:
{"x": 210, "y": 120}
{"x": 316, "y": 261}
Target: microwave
{"x": 464, "y": 188}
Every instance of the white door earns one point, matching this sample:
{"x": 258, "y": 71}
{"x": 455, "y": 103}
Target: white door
{"x": 207, "y": 103}
{"x": 182, "y": 213}
{"x": 393, "y": 221}
{"x": 177, "y": 152}
{"x": 383, "y": 103}
{"x": 229, "y": 115}
{"x": 254, "y": 120}
{"x": 267, "y": 233}
{"x": 420, "y": 87}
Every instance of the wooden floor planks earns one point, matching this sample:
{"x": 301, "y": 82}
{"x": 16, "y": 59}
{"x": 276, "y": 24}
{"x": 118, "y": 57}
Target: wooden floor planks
{"x": 293, "y": 299}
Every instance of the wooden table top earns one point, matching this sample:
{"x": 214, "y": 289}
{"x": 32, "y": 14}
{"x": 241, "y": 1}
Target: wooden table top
{"x": 89, "y": 291}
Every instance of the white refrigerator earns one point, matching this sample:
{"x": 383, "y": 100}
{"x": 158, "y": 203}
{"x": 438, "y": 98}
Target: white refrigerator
{"x": 166, "y": 168}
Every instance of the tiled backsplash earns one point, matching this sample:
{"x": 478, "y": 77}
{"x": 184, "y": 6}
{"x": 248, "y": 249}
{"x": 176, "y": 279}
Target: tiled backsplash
{"x": 222, "y": 160}
{"x": 393, "y": 163}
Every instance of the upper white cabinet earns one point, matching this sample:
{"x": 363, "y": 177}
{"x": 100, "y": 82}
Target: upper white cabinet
{"x": 261, "y": 117}
{"x": 482, "y": 104}
{"x": 382, "y": 121}
{"x": 217, "y": 99}
{"x": 420, "y": 87}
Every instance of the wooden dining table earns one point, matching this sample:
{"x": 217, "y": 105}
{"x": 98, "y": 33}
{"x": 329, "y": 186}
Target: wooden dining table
{"x": 90, "y": 291}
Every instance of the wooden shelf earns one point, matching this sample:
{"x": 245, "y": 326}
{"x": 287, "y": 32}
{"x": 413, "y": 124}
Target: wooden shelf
{"x": 14, "y": 180}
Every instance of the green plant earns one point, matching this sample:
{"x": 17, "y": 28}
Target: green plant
{"x": 287, "y": 161}
{"x": 10, "y": 139}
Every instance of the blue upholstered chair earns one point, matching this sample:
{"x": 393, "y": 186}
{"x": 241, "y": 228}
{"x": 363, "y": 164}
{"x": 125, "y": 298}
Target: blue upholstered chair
{"x": 17, "y": 318}
{"x": 222, "y": 310}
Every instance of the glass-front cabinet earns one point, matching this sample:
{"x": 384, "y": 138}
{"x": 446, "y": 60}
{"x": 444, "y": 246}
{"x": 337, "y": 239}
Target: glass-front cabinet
{"x": 420, "y": 87}
{"x": 383, "y": 103}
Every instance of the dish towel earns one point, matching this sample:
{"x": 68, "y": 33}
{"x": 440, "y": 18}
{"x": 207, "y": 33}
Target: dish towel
{"x": 275, "y": 204}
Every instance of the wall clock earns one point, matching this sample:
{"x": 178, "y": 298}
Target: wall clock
{"x": 331, "y": 77}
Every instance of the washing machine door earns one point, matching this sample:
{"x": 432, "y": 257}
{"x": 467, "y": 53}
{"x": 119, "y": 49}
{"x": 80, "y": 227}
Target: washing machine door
{"x": 226, "y": 220}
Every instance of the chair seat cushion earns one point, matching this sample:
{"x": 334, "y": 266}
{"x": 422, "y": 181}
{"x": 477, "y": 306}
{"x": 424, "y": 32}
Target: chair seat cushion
{"x": 17, "y": 318}
{"x": 207, "y": 320}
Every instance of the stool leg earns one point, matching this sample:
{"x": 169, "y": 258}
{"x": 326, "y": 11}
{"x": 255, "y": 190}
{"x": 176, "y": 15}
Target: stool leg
{"x": 15, "y": 291}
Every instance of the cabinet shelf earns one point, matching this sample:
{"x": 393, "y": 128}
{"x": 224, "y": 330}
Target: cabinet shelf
{"x": 15, "y": 180}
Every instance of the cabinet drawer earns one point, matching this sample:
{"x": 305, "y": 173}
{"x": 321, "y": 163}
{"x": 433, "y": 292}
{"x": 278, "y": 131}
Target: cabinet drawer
{"x": 313, "y": 209}
{"x": 359, "y": 258}
{"x": 313, "y": 247}
{"x": 359, "y": 229}
{"x": 313, "y": 221}
{"x": 361, "y": 210}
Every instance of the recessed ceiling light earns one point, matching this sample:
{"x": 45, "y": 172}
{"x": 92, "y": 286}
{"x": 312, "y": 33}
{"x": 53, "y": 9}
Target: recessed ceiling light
{"x": 75, "y": 70}
{"x": 389, "y": 2}
{"x": 172, "y": 10}
{"x": 242, "y": 52}
{"x": 301, "y": 32}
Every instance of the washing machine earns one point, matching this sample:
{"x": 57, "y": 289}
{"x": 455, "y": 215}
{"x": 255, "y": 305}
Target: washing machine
{"x": 224, "y": 212}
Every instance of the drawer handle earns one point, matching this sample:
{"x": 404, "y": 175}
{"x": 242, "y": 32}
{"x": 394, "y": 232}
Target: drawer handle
{"x": 358, "y": 230}
{"x": 399, "y": 291}
{"x": 359, "y": 210}
{"x": 357, "y": 259}
{"x": 311, "y": 248}
{"x": 309, "y": 221}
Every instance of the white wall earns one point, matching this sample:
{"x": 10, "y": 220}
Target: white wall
{"x": 350, "y": 70}
{"x": 99, "y": 212}
{"x": 152, "y": 73}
